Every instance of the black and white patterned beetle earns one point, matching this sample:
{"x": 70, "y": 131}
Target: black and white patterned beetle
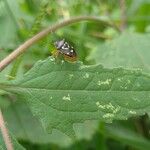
{"x": 66, "y": 50}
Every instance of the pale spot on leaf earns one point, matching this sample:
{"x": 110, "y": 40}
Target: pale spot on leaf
{"x": 108, "y": 115}
{"x": 86, "y": 76}
{"x": 52, "y": 59}
{"x": 119, "y": 79}
{"x": 71, "y": 76}
{"x": 109, "y": 107}
{"x": 67, "y": 98}
{"x": 132, "y": 112}
{"x": 104, "y": 82}
{"x": 97, "y": 103}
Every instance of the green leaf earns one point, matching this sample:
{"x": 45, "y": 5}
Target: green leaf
{"x": 15, "y": 144}
{"x": 8, "y": 28}
{"x": 135, "y": 5}
{"x": 61, "y": 94}
{"x": 126, "y": 136}
{"x": 129, "y": 50}
{"x": 18, "y": 114}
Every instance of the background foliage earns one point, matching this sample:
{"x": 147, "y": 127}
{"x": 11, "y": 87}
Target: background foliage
{"x": 95, "y": 44}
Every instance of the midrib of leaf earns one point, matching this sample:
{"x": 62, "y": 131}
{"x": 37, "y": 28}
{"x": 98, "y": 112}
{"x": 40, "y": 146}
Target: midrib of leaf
{"x": 85, "y": 92}
{"x": 5, "y": 86}
{"x": 83, "y": 89}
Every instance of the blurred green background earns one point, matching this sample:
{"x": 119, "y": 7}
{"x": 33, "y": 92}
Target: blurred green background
{"x": 21, "y": 19}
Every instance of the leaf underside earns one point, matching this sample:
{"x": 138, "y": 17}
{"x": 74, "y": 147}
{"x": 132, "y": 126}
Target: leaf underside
{"x": 61, "y": 94}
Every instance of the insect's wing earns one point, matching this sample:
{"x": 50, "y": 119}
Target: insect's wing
{"x": 68, "y": 50}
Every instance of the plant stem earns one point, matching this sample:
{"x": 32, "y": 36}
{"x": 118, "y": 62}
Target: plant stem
{"x": 22, "y": 48}
{"x": 5, "y": 135}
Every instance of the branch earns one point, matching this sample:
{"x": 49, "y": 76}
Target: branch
{"x": 22, "y": 48}
{"x": 5, "y": 133}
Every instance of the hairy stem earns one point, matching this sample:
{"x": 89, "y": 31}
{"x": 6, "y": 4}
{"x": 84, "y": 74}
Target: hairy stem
{"x": 5, "y": 135}
{"x": 22, "y": 48}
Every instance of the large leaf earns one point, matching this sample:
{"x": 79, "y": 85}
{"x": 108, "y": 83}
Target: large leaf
{"x": 129, "y": 50}
{"x": 61, "y": 94}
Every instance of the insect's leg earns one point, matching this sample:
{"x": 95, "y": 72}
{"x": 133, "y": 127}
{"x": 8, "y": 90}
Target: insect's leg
{"x": 55, "y": 53}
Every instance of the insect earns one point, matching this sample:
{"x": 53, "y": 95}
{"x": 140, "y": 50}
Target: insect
{"x": 66, "y": 50}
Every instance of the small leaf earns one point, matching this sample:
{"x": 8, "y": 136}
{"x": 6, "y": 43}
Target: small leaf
{"x": 61, "y": 94}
